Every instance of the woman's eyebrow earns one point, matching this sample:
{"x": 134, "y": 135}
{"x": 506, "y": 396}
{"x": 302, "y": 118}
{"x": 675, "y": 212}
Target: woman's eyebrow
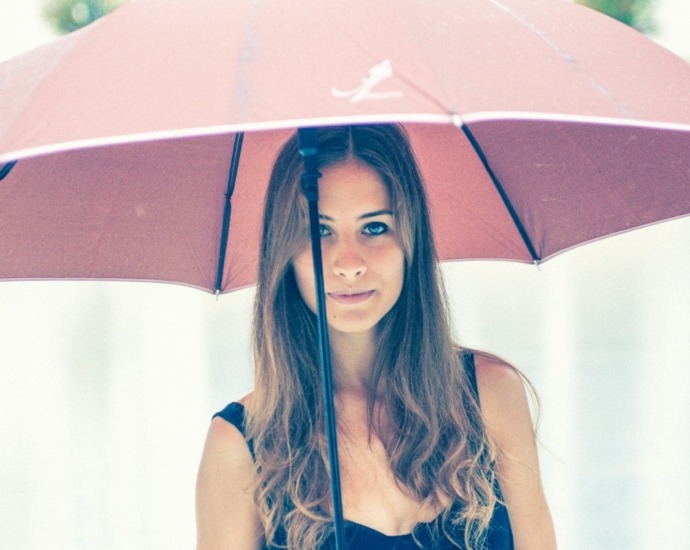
{"x": 374, "y": 214}
{"x": 363, "y": 216}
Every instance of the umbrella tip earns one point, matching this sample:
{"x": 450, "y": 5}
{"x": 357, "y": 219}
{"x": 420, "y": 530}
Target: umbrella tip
{"x": 455, "y": 119}
{"x": 537, "y": 264}
{"x": 217, "y": 293}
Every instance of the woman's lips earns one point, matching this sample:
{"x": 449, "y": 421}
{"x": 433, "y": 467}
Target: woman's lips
{"x": 351, "y": 298}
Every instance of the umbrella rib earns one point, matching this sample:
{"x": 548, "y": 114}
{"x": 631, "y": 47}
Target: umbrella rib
{"x": 506, "y": 201}
{"x": 6, "y": 169}
{"x": 232, "y": 177}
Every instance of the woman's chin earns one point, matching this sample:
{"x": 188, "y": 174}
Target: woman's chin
{"x": 351, "y": 326}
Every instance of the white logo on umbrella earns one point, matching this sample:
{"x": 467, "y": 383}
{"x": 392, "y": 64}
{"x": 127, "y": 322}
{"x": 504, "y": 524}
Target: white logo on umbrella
{"x": 377, "y": 74}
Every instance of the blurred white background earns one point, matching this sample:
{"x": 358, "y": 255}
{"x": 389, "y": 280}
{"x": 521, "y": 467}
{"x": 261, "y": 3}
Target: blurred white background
{"x": 107, "y": 389}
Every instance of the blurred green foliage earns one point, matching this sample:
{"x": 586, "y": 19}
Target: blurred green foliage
{"x": 634, "y": 13}
{"x": 69, "y": 15}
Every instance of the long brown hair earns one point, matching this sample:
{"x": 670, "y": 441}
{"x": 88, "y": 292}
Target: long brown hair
{"x": 438, "y": 444}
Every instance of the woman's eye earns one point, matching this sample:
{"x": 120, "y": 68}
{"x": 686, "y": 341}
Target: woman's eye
{"x": 324, "y": 231}
{"x": 376, "y": 228}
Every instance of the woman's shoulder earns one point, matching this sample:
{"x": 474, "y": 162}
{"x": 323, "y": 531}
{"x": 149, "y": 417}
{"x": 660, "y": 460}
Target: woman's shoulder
{"x": 225, "y": 436}
{"x": 508, "y": 422}
{"x": 503, "y": 397}
{"x": 225, "y": 509}
{"x": 496, "y": 377}
{"x": 225, "y": 443}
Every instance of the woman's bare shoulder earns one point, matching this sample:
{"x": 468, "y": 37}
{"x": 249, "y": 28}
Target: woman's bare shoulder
{"x": 225, "y": 445}
{"x": 496, "y": 378}
{"x": 226, "y": 514}
{"x": 504, "y": 404}
{"x": 225, "y": 440}
{"x": 506, "y": 415}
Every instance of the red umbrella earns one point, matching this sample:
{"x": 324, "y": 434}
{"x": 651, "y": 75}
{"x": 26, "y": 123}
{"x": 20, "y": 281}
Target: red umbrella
{"x": 532, "y": 135}
{"x": 124, "y": 130}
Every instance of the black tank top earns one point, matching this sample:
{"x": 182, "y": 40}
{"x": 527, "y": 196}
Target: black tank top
{"x": 361, "y": 537}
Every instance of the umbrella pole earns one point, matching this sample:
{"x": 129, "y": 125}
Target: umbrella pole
{"x": 308, "y": 147}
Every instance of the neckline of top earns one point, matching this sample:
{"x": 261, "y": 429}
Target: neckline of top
{"x": 380, "y": 534}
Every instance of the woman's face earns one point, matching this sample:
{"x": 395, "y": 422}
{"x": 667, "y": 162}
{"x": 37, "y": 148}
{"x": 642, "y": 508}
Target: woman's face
{"x": 363, "y": 261}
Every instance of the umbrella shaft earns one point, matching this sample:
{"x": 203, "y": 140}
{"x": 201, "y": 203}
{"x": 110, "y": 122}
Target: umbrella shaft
{"x": 326, "y": 375}
{"x": 308, "y": 139}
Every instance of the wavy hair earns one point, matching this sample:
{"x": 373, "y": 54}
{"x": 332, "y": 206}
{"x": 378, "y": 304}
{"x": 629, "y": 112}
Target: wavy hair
{"x": 438, "y": 449}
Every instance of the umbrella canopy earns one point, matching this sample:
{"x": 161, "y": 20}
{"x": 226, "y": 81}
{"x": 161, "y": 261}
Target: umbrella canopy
{"x": 532, "y": 136}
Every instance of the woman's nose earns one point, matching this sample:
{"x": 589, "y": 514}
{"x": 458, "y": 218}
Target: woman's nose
{"x": 348, "y": 260}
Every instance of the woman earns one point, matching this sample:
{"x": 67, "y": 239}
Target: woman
{"x": 422, "y": 464}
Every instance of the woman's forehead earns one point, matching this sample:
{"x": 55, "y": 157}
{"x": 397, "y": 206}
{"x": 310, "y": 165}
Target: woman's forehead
{"x": 353, "y": 189}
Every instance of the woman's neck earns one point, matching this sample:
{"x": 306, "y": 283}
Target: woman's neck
{"x": 352, "y": 357}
